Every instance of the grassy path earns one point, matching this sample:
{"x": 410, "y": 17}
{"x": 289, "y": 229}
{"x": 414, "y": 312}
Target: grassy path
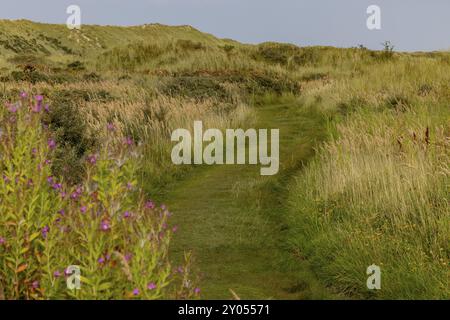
{"x": 232, "y": 218}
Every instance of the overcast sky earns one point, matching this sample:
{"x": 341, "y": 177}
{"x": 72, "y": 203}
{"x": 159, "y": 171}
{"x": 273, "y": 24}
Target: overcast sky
{"x": 411, "y": 25}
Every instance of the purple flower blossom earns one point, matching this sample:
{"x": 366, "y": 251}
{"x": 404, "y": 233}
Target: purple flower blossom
{"x": 128, "y": 257}
{"x": 13, "y": 108}
{"x": 175, "y": 229}
{"x": 136, "y": 292}
{"x": 39, "y": 98}
{"x": 129, "y": 186}
{"x": 104, "y": 225}
{"x": 51, "y": 144}
{"x": 83, "y": 209}
{"x": 150, "y": 204}
{"x": 151, "y": 286}
{"x": 62, "y": 212}
{"x": 57, "y": 274}
{"x": 129, "y": 141}
{"x": 197, "y": 290}
{"x": 45, "y": 231}
{"x": 23, "y": 95}
{"x": 78, "y": 191}
{"x": 6, "y": 179}
{"x": 34, "y": 151}
{"x": 2, "y": 240}
{"x": 36, "y": 108}
{"x": 35, "y": 284}
{"x": 66, "y": 272}
{"x": 57, "y": 186}
{"x": 92, "y": 159}
{"x": 101, "y": 260}
{"x": 127, "y": 214}
{"x": 47, "y": 108}
{"x": 111, "y": 127}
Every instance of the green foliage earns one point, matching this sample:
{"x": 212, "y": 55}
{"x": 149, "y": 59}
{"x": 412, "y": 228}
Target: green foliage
{"x": 19, "y": 44}
{"x": 103, "y": 225}
{"x": 381, "y": 178}
{"x": 31, "y": 76}
{"x": 76, "y": 65}
{"x": 194, "y": 87}
{"x": 276, "y": 52}
{"x": 186, "y": 45}
{"x": 228, "y": 48}
{"x": 130, "y": 57}
{"x": 24, "y": 59}
{"x": 388, "y": 50}
{"x": 71, "y": 135}
{"x": 92, "y": 77}
{"x": 287, "y": 55}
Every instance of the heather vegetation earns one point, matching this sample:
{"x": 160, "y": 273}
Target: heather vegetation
{"x": 85, "y": 130}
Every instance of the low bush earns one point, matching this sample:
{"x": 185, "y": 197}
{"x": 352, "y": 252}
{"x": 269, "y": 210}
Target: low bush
{"x": 194, "y": 87}
{"x": 189, "y": 45}
{"x": 102, "y": 227}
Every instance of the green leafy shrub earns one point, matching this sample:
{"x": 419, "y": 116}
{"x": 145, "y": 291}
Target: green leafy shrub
{"x": 398, "y": 102}
{"x": 194, "y": 87}
{"x": 30, "y": 75}
{"x": 130, "y": 57}
{"x": 189, "y": 45}
{"x": 228, "y": 49}
{"x": 27, "y": 59}
{"x": 262, "y": 83}
{"x": 275, "y": 52}
{"x": 92, "y": 77}
{"x": 76, "y": 65}
{"x": 70, "y": 134}
{"x": 306, "y": 56}
{"x": 104, "y": 227}
{"x": 384, "y": 55}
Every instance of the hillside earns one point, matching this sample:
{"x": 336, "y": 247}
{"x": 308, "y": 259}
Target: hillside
{"x": 23, "y": 36}
{"x": 363, "y": 179}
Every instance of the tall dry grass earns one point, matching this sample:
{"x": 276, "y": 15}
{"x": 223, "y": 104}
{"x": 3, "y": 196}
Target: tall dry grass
{"x": 378, "y": 191}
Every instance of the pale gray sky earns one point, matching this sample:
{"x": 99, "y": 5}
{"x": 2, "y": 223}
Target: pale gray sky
{"x": 410, "y": 25}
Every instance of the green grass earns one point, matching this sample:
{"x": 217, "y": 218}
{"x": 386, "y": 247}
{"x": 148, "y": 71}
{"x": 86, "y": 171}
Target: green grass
{"x": 364, "y": 145}
{"x": 233, "y": 219}
{"x": 377, "y": 192}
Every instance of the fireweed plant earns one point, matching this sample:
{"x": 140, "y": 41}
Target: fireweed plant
{"x": 105, "y": 226}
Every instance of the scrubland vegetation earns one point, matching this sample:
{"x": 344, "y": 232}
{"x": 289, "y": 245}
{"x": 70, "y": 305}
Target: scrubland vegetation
{"x": 377, "y": 192}
{"x": 367, "y": 184}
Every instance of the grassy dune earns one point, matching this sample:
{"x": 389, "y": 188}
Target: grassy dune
{"x": 365, "y": 154}
{"x": 377, "y": 192}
